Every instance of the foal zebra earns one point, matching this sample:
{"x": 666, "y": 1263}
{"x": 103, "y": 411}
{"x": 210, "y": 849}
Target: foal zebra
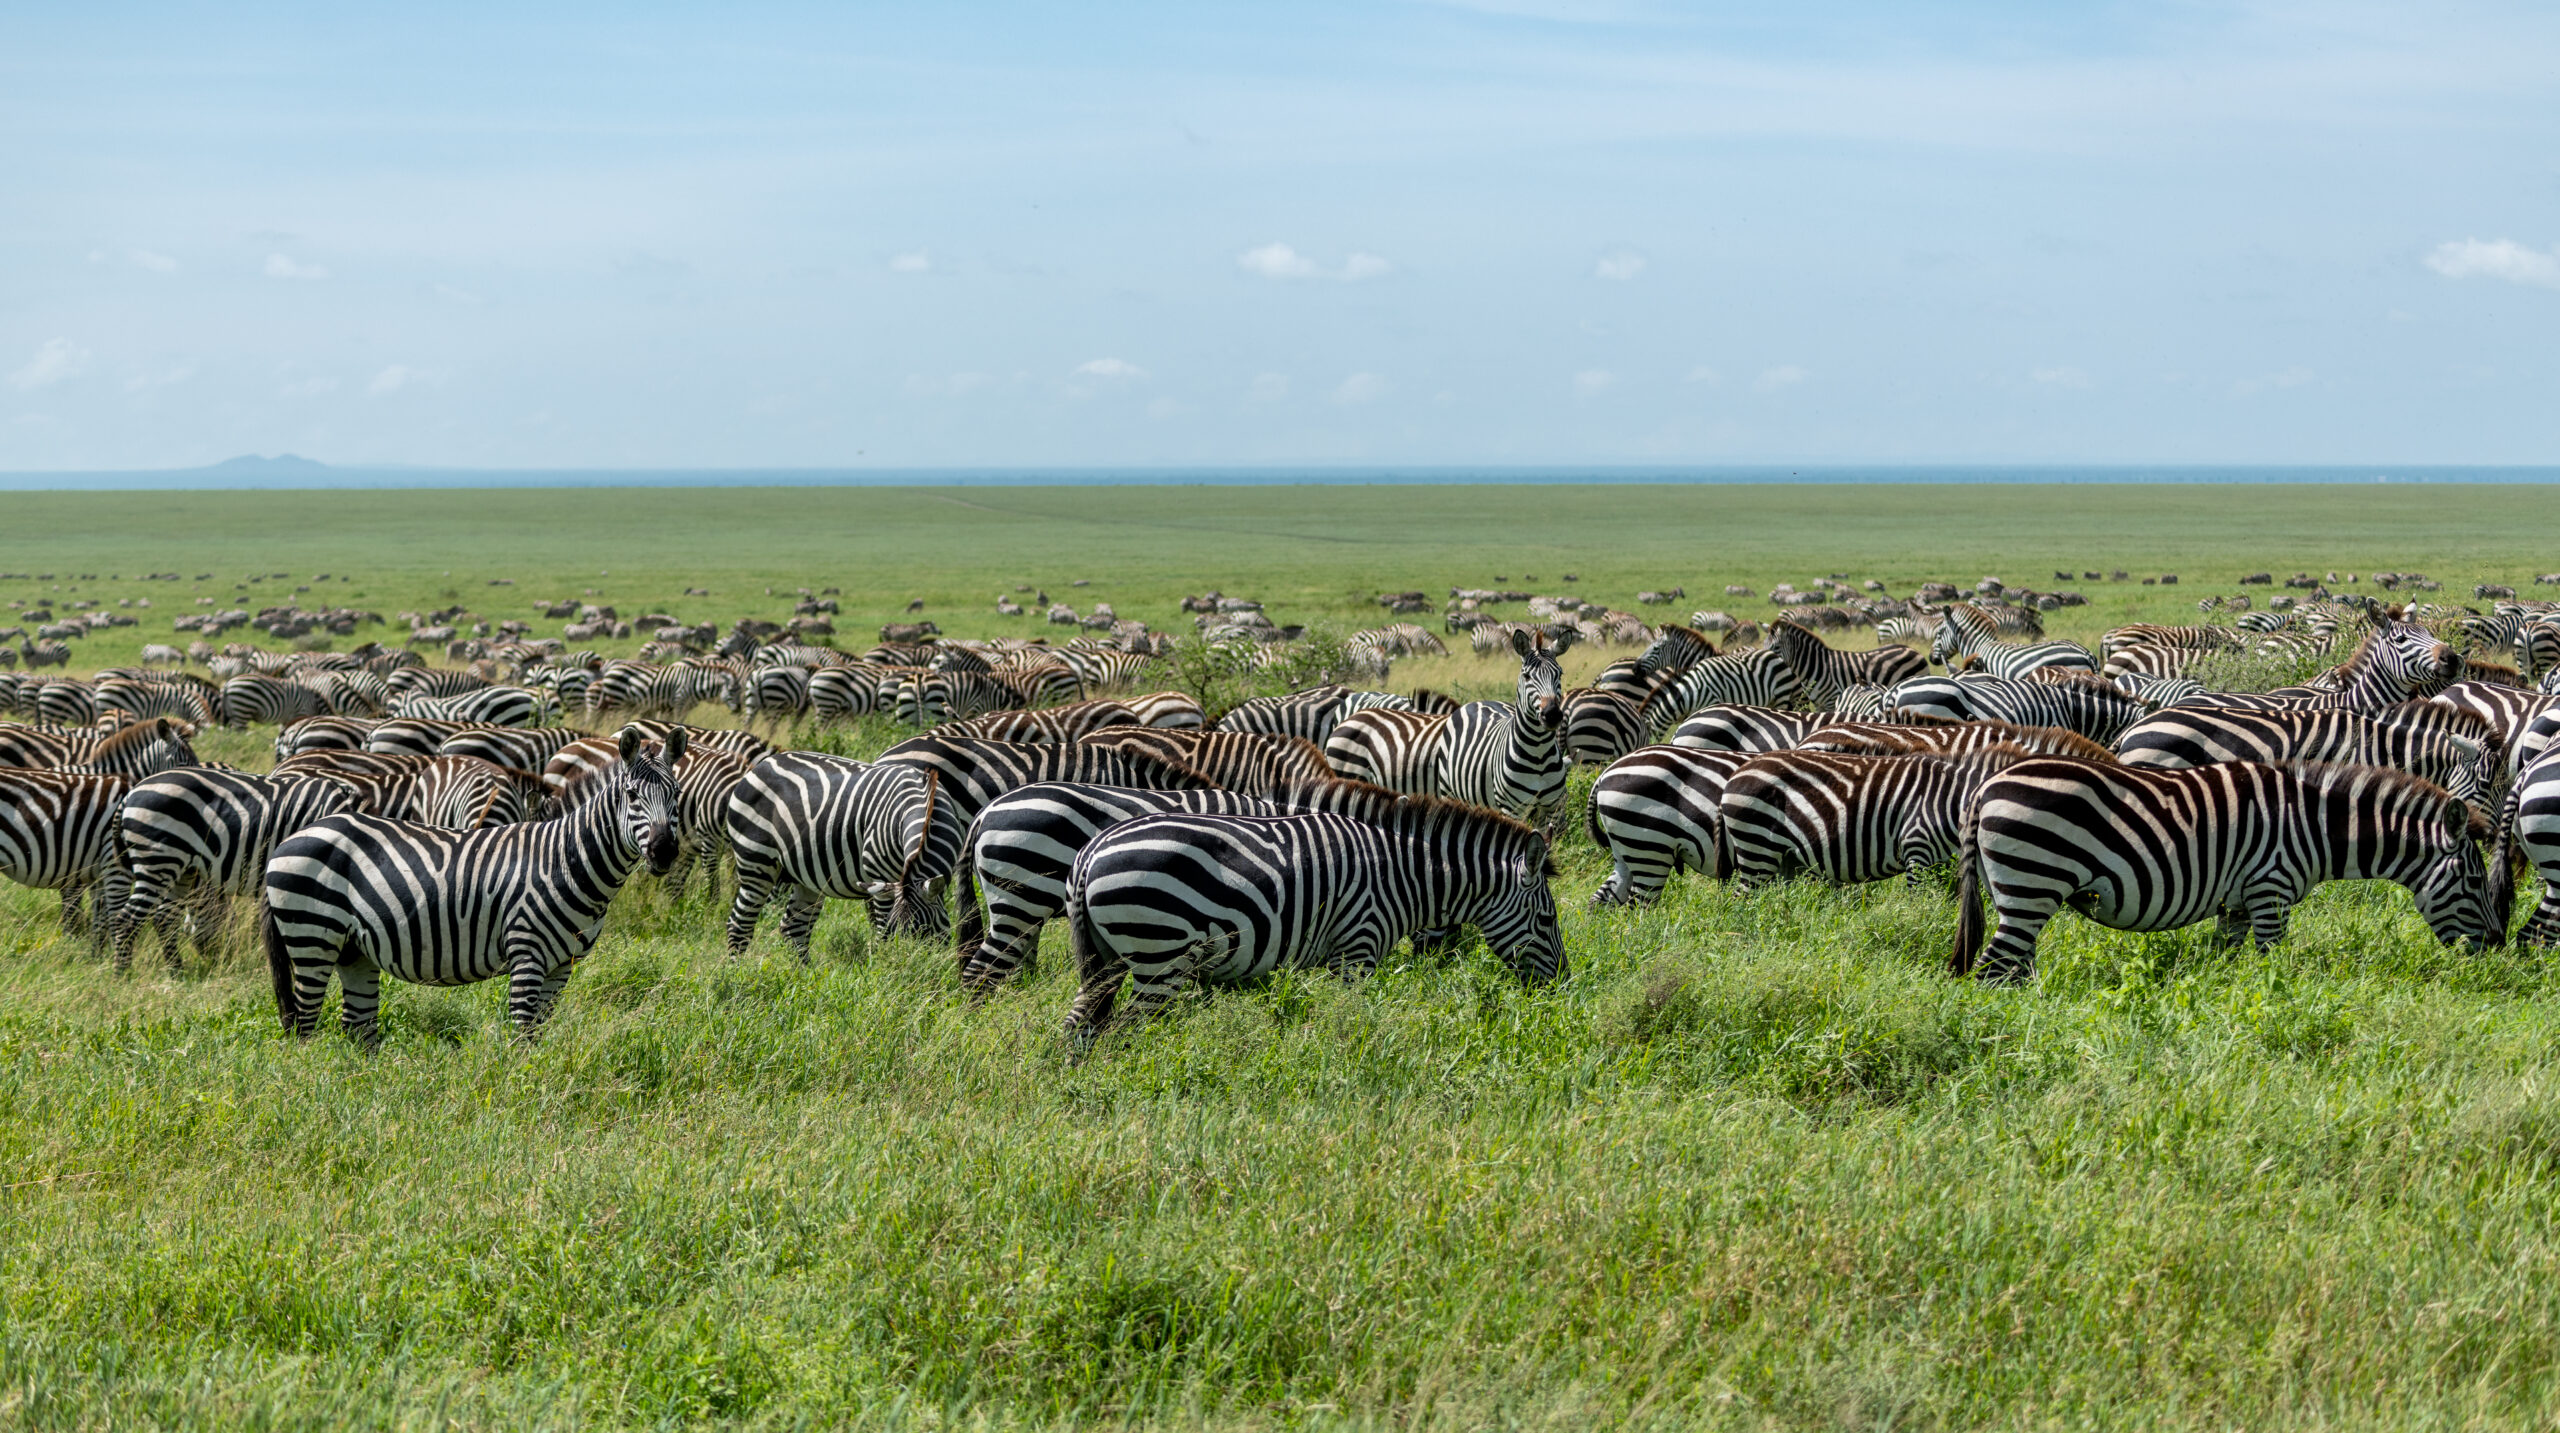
{"x": 361, "y": 896}
{"x": 1503, "y": 755}
{"x": 1170, "y": 900}
{"x": 2242, "y": 841}
{"x": 1968, "y": 632}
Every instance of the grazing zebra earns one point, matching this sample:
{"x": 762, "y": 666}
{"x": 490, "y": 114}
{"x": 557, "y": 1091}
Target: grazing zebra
{"x": 1764, "y": 678}
{"x": 778, "y": 695}
{"x": 1310, "y": 715}
{"x": 1655, "y": 811}
{"x": 1823, "y": 672}
{"x": 1600, "y": 727}
{"x": 2089, "y": 706}
{"x": 1968, "y": 632}
{"x": 1507, "y": 756}
{"x": 1170, "y": 900}
{"x": 809, "y": 827}
{"x": 937, "y": 697}
{"x": 2392, "y": 665}
{"x": 458, "y": 793}
{"x": 1929, "y": 735}
{"x": 1848, "y": 819}
{"x": 515, "y": 748}
{"x": 433, "y": 682}
{"x": 422, "y": 736}
{"x": 667, "y": 693}
{"x": 487, "y": 706}
{"x": 66, "y": 701}
{"x": 258, "y": 700}
{"x": 1023, "y": 847}
{"x": 324, "y": 733}
{"x": 2537, "y": 644}
{"x": 1740, "y": 728}
{"x": 2452, "y": 749}
{"x": 2152, "y": 634}
{"x": 1107, "y": 671}
{"x": 1675, "y": 651}
{"x": 189, "y": 701}
{"x": 2509, "y": 711}
{"x": 205, "y": 835}
{"x": 57, "y": 833}
{"x": 1051, "y": 724}
{"x": 844, "y": 693}
{"x": 135, "y": 751}
{"x": 1173, "y": 711}
{"x": 363, "y": 896}
{"x": 1044, "y": 679}
{"x": 2151, "y": 661}
{"x": 736, "y": 743}
{"x": 2141, "y": 850}
{"x": 1232, "y": 760}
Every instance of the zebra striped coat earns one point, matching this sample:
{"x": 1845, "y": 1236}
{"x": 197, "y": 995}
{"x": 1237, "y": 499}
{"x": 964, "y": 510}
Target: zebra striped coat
{"x": 1764, "y": 678}
{"x": 2241, "y": 841}
{"x": 2454, "y": 750}
{"x": 705, "y": 780}
{"x": 185, "y": 699}
{"x": 2192, "y": 640}
{"x": 1848, "y": 819}
{"x": 1023, "y": 847}
{"x": 1234, "y": 761}
{"x": 1600, "y": 727}
{"x": 808, "y": 827}
{"x": 2528, "y": 833}
{"x": 1968, "y": 631}
{"x": 326, "y": 733}
{"x": 57, "y": 833}
{"x": 362, "y": 896}
{"x": 1170, "y": 900}
{"x": 520, "y": 748}
{"x": 254, "y": 700}
{"x": 1655, "y": 811}
{"x": 2509, "y": 712}
{"x": 845, "y": 693}
{"x": 486, "y": 706}
{"x": 1506, "y": 756}
{"x": 1052, "y": 724}
{"x": 1310, "y": 715}
{"x": 457, "y": 793}
{"x": 2090, "y": 707}
{"x": 1823, "y": 672}
{"x": 1913, "y": 737}
{"x": 132, "y": 752}
{"x": 2399, "y": 662}
{"x": 1675, "y": 651}
{"x": 205, "y": 835}
{"x": 1746, "y": 729}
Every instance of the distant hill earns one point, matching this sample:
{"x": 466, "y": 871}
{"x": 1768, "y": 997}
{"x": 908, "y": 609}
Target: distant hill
{"x": 251, "y": 465}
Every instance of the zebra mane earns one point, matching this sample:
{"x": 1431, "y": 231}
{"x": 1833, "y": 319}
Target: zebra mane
{"x": 2400, "y": 790}
{"x": 2084, "y": 680}
{"x": 1427, "y": 815}
{"x": 2060, "y": 740}
{"x": 1358, "y": 799}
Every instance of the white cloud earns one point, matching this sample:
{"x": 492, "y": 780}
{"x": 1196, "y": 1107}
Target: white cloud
{"x": 1280, "y": 261}
{"x": 2296, "y": 377}
{"x": 1785, "y": 375}
{"x": 307, "y": 388}
{"x": 914, "y": 262}
{"x": 1703, "y": 374}
{"x": 393, "y": 379}
{"x": 1620, "y": 265}
{"x": 1360, "y": 388}
{"x": 2064, "y": 376}
{"x": 1109, "y": 368}
{"x": 1592, "y": 382}
{"x": 280, "y": 267}
{"x": 1276, "y": 261}
{"x": 1269, "y": 387}
{"x": 2497, "y": 259}
{"x": 59, "y": 359}
{"x": 156, "y": 263}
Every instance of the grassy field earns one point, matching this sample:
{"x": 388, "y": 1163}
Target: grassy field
{"x": 1757, "y": 1163}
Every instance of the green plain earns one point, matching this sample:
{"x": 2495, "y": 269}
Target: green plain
{"x": 1757, "y": 1163}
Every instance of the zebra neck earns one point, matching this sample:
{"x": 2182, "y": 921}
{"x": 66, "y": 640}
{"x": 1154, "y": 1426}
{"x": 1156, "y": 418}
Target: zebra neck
{"x": 595, "y": 833}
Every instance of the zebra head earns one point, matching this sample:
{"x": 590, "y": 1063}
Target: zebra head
{"x": 2415, "y": 833}
{"x": 1541, "y": 677}
{"x": 1516, "y": 909}
{"x": 644, "y": 791}
{"x": 2419, "y": 660}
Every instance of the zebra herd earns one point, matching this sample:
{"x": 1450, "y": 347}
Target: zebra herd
{"x": 429, "y": 824}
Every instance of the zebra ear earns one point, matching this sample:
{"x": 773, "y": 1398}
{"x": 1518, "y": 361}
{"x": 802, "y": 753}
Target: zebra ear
{"x": 675, "y": 747}
{"x": 1520, "y": 641}
{"x": 628, "y": 742}
{"x": 2457, "y": 820}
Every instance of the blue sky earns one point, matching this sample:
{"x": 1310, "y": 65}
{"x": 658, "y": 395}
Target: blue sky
{"x": 1552, "y": 231}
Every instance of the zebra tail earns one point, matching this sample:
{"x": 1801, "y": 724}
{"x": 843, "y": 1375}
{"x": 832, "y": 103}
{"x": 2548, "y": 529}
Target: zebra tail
{"x": 1591, "y": 821}
{"x": 1720, "y": 856}
{"x": 969, "y": 927}
{"x": 911, "y": 899}
{"x": 1969, "y": 921}
{"x": 2502, "y": 865}
{"x": 280, "y": 969}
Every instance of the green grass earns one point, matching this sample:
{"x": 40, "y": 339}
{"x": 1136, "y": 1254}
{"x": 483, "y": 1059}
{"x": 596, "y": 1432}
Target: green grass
{"x": 1757, "y": 1163}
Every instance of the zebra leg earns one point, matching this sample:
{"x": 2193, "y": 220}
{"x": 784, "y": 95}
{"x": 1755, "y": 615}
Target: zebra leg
{"x": 533, "y": 984}
{"x": 2543, "y": 927}
{"x": 106, "y": 899}
{"x": 800, "y": 918}
{"x": 75, "y": 917}
{"x": 359, "y": 997}
{"x": 1099, "y": 971}
{"x": 2011, "y": 958}
{"x": 755, "y": 890}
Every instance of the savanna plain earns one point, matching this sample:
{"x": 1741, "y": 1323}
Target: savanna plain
{"x": 1758, "y": 1162}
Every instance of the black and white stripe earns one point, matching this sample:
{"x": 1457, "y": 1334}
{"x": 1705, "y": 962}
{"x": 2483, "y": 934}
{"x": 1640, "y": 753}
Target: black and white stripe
{"x": 1310, "y": 715}
{"x": 199, "y": 837}
{"x": 258, "y": 700}
{"x": 2453, "y": 749}
{"x": 1746, "y": 728}
{"x": 1601, "y": 726}
{"x": 1823, "y": 672}
{"x": 1231, "y": 760}
{"x": 57, "y": 833}
{"x": 2143, "y": 850}
{"x": 1655, "y": 812}
{"x": 1848, "y": 819}
{"x": 1172, "y": 900}
{"x": 362, "y": 896}
{"x": 1509, "y": 756}
{"x": 485, "y": 706}
{"x": 1759, "y": 679}
{"x": 1968, "y": 631}
{"x": 2088, "y": 706}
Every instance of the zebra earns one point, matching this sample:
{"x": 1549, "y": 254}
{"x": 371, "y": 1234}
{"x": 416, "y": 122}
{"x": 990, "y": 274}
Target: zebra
{"x": 258, "y": 700}
{"x": 2394, "y": 664}
{"x": 421, "y": 736}
{"x": 2088, "y": 706}
{"x": 1674, "y": 651}
{"x": 1848, "y": 819}
{"x": 2144, "y": 850}
{"x": 458, "y": 793}
{"x": 937, "y": 697}
{"x": 57, "y": 833}
{"x": 2510, "y": 712}
{"x": 842, "y": 693}
{"x": 2537, "y": 644}
{"x": 187, "y": 700}
{"x": 1949, "y": 738}
{"x": 363, "y": 896}
{"x": 1654, "y": 811}
{"x": 324, "y": 733}
{"x": 2156, "y": 692}
{"x": 135, "y": 751}
{"x": 1172, "y": 711}
{"x": 1234, "y": 761}
{"x": 486, "y": 706}
{"x": 1764, "y": 678}
{"x": 1968, "y": 632}
{"x": 2452, "y": 749}
{"x": 2528, "y": 831}
{"x": 2152, "y": 634}
{"x": 737, "y": 743}
{"x": 207, "y": 834}
{"x": 65, "y": 701}
{"x": 1600, "y": 727}
{"x": 2151, "y": 661}
{"x": 433, "y": 682}
{"x": 1503, "y": 755}
{"x": 645, "y": 689}
{"x": 1050, "y": 724}
{"x": 1023, "y": 846}
{"x": 513, "y": 747}
{"x": 1174, "y": 899}
{"x": 778, "y": 695}
{"x": 705, "y": 779}
{"x": 1742, "y": 728}
{"x": 1823, "y": 671}
{"x": 1310, "y": 715}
